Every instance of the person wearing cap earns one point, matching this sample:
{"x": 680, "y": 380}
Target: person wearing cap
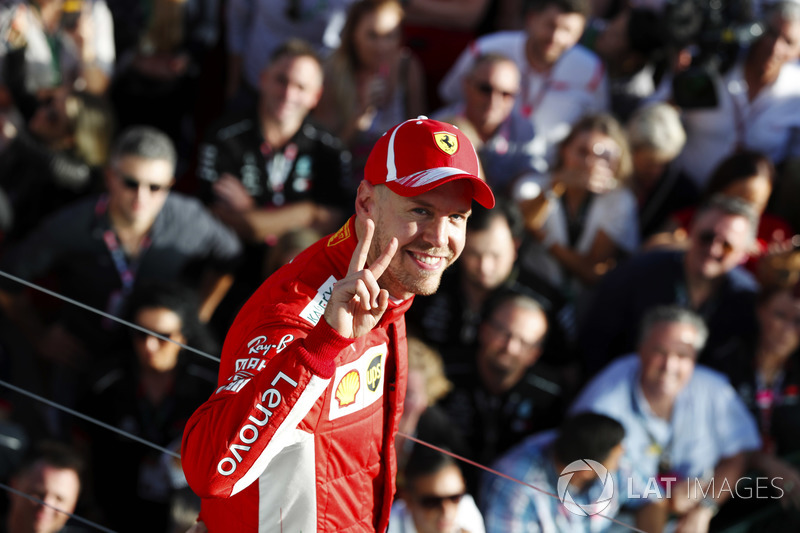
{"x": 299, "y": 435}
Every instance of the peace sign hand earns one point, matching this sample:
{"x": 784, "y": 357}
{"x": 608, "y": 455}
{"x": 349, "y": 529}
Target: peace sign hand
{"x": 357, "y": 302}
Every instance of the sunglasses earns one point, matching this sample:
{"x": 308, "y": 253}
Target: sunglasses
{"x": 133, "y": 184}
{"x": 487, "y": 89}
{"x": 433, "y": 502}
{"x": 709, "y": 237}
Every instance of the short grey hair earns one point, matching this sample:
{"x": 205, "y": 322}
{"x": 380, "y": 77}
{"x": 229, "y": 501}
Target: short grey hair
{"x": 674, "y": 314}
{"x": 145, "y": 142}
{"x": 731, "y": 205}
{"x": 657, "y": 127}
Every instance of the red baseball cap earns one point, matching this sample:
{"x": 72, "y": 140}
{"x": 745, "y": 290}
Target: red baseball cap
{"x": 420, "y": 154}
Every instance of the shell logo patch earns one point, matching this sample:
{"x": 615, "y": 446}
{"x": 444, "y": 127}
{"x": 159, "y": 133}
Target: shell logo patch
{"x": 446, "y": 142}
{"x": 341, "y": 235}
{"x": 347, "y": 388}
{"x": 359, "y": 383}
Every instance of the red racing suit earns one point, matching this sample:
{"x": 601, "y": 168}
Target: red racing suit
{"x": 299, "y": 435}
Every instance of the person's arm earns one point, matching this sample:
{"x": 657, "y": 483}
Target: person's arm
{"x": 589, "y": 267}
{"x": 456, "y": 14}
{"x": 213, "y": 289}
{"x": 222, "y": 458}
{"x": 697, "y": 513}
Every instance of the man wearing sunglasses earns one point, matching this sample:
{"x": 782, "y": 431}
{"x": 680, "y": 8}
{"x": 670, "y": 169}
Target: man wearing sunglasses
{"x": 561, "y": 81}
{"x": 504, "y": 137}
{"x": 99, "y": 248}
{"x": 705, "y": 276}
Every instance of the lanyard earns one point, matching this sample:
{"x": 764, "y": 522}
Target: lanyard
{"x": 125, "y": 270}
{"x": 531, "y": 103}
{"x": 766, "y": 400}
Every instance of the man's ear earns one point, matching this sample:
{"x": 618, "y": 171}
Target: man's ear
{"x": 365, "y": 200}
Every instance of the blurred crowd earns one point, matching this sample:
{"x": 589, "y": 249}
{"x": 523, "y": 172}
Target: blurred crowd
{"x": 633, "y": 299}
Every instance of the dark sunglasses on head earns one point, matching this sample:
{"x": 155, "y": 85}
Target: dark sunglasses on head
{"x": 488, "y": 89}
{"x": 708, "y": 237}
{"x": 134, "y": 184}
{"x": 432, "y": 502}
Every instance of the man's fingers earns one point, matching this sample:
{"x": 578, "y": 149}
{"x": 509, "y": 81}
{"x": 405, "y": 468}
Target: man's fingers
{"x": 359, "y": 258}
{"x": 382, "y": 263}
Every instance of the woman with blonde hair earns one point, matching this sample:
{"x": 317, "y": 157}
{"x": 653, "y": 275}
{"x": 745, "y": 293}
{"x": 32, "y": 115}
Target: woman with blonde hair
{"x": 582, "y": 218}
{"x": 371, "y": 81}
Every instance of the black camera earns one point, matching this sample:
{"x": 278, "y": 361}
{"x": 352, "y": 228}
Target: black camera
{"x": 715, "y": 31}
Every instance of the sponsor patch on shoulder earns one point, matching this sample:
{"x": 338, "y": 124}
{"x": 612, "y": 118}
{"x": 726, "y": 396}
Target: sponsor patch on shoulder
{"x": 341, "y": 235}
{"x": 358, "y": 384}
{"x": 316, "y": 307}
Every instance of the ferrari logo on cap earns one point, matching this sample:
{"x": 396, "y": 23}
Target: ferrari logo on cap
{"x": 447, "y": 142}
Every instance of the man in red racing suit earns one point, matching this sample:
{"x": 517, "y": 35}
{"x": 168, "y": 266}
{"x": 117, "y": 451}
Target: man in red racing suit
{"x": 299, "y": 434}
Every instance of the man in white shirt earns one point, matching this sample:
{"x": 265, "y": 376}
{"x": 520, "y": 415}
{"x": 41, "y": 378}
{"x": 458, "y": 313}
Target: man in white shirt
{"x": 561, "y": 81}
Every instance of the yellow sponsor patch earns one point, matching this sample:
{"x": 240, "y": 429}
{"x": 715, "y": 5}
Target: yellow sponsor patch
{"x": 447, "y": 142}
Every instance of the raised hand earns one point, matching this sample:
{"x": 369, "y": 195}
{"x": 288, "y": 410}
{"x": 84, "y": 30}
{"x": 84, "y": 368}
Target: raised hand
{"x": 357, "y": 302}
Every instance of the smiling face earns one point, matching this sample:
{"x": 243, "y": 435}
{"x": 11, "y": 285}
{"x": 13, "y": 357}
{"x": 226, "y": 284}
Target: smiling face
{"x": 779, "y": 45}
{"x": 718, "y": 242}
{"x": 57, "y": 487}
{"x": 430, "y": 229}
{"x": 668, "y": 357}
{"x": 290, "y": 88}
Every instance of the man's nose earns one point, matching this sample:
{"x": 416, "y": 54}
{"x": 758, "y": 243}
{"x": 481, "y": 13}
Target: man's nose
{"x": 437, "y": 232}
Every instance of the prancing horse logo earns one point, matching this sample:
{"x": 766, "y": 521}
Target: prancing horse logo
{"x": 447, "y": 142}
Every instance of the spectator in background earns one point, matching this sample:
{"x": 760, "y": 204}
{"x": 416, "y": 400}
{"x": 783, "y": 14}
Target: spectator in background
{"x": 508, "y": 394}
{"x": 52, "y": 474}
{"x": 162, "y": 44}
{"x": 582, "y": 217}
{"x": 767, "y": 378}
{"x": 57, "y": 158}
{"x": 422, "y": 417}
{"x": 656, "y": 137}
{"x": 704, "y": 277}
{"x": 504, "y": 136}
{"x": 561, "y": 82}
{"x": 434, "y": 497}
{"x": 630, "y": 45}
{"x": 758, "y": 101}
{"x": 272, "y": 171}
{"x": 99, "y": 248}
{"x": 540, "y": 461}
{"x": 682, "y": 421}
{"x": 449, "y": 319}
{"x": 68, "y": 45}
{"x": 745, "y": 174}
{"x": 149, "y": 389}
{"x": 371, "y": 81}
{"x": 256, "y": 28}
